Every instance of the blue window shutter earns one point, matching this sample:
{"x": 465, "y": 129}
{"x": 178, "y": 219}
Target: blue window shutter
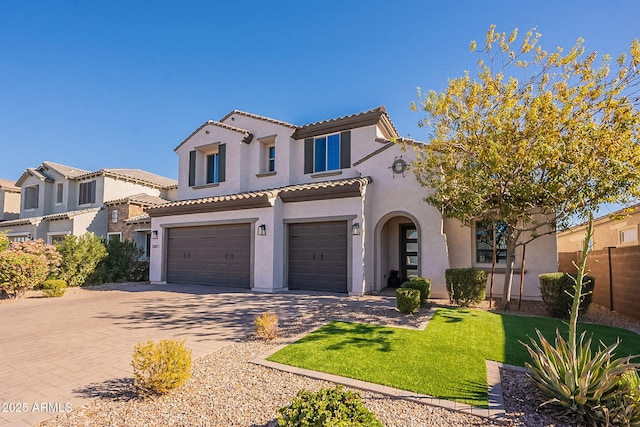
{"x": 192, "y": 168}
{"x": 222, "y": 162}
{"x": 308, "y": 155}
{"x": 345, "y": 150}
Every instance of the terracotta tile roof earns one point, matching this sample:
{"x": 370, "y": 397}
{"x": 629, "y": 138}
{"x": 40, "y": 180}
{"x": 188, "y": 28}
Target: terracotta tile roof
{"x": 375, "y": 116}
{"x": 349, "y": 187}
{"x": 66, "y": 171}
{"x": 138, "y": 219}
{"x": 136, "y": 175}
{"x": 248, "y": 136}
{"x": 258, "y": 117}
{"x": 69, "y": 214}
{"x": 7, "y": 185}
{"x": 140, "y": 199}
{"x": 22, "y": 221}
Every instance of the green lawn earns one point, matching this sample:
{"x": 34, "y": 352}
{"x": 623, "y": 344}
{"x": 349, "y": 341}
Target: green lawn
{"x": 446, "y": 360}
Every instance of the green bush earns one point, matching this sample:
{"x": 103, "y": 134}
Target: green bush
{"x": 466, "y": 286}
{"x": 557, "y": 291}
{"x": 407, "y": 300}
{"x": 80, "y": 256}
{"x": 4, "y": 241}
{"x": 162, "y": 367}
{"x": 21, "y": 272}
{"x": 583, "y": 385}
{"x": 422, "y": 284}
{"x": 331, "y": 407}
{"x": 54, "y": 288}
{"x": 122, "y": 264}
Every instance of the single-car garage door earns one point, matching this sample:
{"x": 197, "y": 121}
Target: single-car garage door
{"x": 318, "y": 256}
{"x": 210, "y": 255}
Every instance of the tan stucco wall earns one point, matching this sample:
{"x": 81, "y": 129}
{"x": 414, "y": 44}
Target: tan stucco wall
{"x": 606, "y": 234}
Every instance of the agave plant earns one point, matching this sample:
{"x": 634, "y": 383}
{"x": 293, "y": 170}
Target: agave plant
{"x": 583, "y": 383}
{"x": 624, "y": 408}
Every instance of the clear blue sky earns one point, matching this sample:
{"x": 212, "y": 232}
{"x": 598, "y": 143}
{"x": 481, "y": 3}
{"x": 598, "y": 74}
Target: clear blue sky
{"x": 118, "y": 84}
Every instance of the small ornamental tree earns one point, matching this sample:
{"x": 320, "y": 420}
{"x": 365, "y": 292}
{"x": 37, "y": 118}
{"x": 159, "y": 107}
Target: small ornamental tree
{"x": 533, "y": 139}
{"x": 39, "y": 248}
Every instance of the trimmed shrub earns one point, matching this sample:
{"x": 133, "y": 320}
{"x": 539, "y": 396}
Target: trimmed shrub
{"x": 422, "y": 284}
{"x": 54, "y": 288}
{"x": 4, "y": 241}
{"x": 266, "y": 325}
{"x": 557, "y": 291}
{"x": 21, "y": 272}
{"x": 80, "y": 256}
{"x": 330, "y": 407}
{"x": 407, "y": 300}
{"x": 162, "y": 367}
{"x": 466, "y": 286}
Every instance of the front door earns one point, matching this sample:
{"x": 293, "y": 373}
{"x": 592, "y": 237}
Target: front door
{"x": 409, "y": 254}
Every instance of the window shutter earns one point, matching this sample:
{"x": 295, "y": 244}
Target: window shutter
{"x": 222, "y": 162}
{"x": 93, "y": 191}
{"x": 192, "y": 168}
{"x": 308, "y": 155}
{"x": 345, "y": 150}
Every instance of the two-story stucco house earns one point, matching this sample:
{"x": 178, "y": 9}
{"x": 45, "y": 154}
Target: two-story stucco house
{"x": 329, "y": 206}
{"x": 9, "y": 200}
{"x": 58, "y": 200}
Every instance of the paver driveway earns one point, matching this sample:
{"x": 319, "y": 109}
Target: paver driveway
{"x": 57, "y": 353}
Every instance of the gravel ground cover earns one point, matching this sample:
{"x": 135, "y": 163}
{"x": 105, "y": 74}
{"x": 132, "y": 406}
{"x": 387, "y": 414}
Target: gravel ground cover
{"x": 226, "y": 389}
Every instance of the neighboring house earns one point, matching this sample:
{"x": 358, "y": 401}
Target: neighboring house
{"x": 58, "y": 200}
{"x": 129, "y": 221}
{"x": 330, "y": 206}
{"x": 617, "y": 230}
{"x": 9, "y": 200}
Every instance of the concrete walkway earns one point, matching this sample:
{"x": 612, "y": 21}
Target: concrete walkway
{"x": 59, "y": 353}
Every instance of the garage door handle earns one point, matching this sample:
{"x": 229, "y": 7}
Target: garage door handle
{"x": 314, "y": 257}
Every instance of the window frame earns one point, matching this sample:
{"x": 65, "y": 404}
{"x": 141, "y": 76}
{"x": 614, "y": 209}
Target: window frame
{"x": 327, "y": 153}
{"x": 84, "y": 194}
{"x": 59, "y": 193}
{"x": 112, "y": 234}
{"x": 501, "y": 261}
{"x": 31, "y": 194}
{"x": 212, "y": 168}
{"x": 621, "y": 233}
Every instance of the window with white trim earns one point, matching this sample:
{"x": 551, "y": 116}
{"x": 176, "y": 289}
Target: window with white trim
{"x": 629, "y": 235}
{"x": 326, "y": 153}
{"x": 213, "y": 168}
{"x": 59, "y": 190}
{"x": 114, "y": 236}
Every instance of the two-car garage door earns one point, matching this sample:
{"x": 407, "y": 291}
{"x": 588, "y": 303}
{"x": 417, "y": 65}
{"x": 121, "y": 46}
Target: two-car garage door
{"x": 221, "y": 255}
{"x": 210, "y": 255}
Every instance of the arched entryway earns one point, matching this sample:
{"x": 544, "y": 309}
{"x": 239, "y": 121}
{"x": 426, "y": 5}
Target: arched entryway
{"x": 398, "y": 243}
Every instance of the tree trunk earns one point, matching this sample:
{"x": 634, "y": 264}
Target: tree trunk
{"x": 493, "y": 265}
{"x": 524, "y": 251}
{"x": 512, "y": 238}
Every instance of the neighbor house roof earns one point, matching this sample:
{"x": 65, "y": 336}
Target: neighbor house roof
{"x": 10, "y": 186}
{"x": 66, "y": 171}
{"x": 258, "y": 117}
{"x": 139, "y": 199}
{"x": 51, "y": 217}
{"x": 265, "y": 198}
{"x": 140, "y": 219}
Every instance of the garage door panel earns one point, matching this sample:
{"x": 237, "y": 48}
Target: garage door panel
{"x": 318, "y": 256}
{"x": 211, "y": 255}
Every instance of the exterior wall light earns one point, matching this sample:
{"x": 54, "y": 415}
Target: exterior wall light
{"x": 154, "y": 234}
{"x": 355, "y": 229}
{"x": 262, "y": 230}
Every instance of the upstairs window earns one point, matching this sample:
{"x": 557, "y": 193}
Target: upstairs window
{"x": 87, "y": 193}
{"x": 31, "y": 195}
{"x": 629, "y": 235}
{"x": 484, "y": 242}
{"x": 59, "y": 189}
{"x": 327, "y": 153}
{"x": 207, "y": 165}
{"x": 213, "y": 168}
{"x": 271, "y": 160}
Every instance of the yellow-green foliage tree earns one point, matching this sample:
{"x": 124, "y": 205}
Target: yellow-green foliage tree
{"x": 532, "y": 140}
